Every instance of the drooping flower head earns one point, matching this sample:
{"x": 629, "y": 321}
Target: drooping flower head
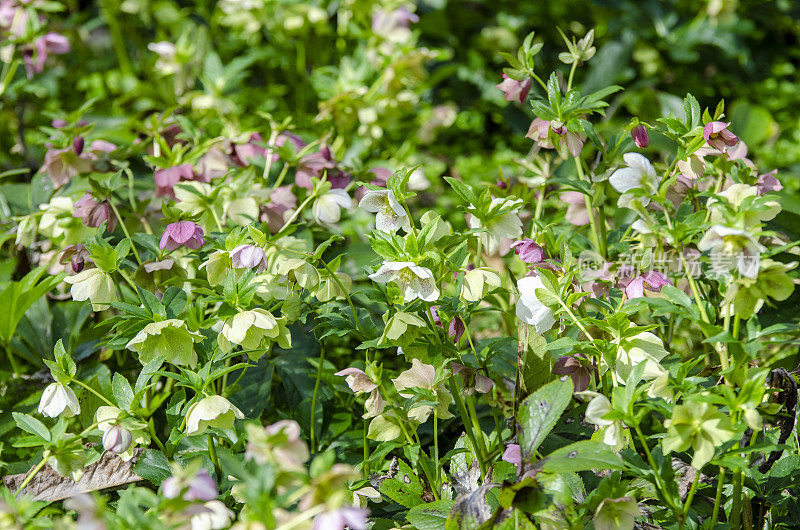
{"x": 59, "y": 400}
{"x": 166, "y": 178}
{"x": 249, "y": 257}
{"x": 528, "y": 251}
{"x": 390, "y": 214}
{"x": 212, "y": 411}
{"x": 414, "y": 281}
{"x": 732, "y": 247}
{"x": 529, "y": 309}
{"x": 515, "y": 90}
{"x": 94, "y": 213}
{"x": 327, "y": 209}
{"x": 639, "y": 175}
{"x": 182, "y": 233}
{"x": 718, "y": 136}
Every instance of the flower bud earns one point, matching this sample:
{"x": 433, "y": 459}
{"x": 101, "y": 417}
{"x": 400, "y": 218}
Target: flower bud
{"x": 77, "y": 145}
{"x": 640, "y": 136}
{"x": 456, "y": 329}
{"x": 117, "y": 440}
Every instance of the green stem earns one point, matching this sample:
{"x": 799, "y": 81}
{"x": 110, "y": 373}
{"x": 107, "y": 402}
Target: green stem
{"x": 12, "y": 360}
{"x": 93, "y": 391}
{"x": 154, "y": 436}
{"x": 571, "y": 73}
{"x": 314, "y": 395}
{"x": 599, "y": 242}
{"x": 295, "y": 214}
{"x": 652, "y": 462}
{"x": 365, "y": 441}
{"x": 736, "y": 505}
{"x": 212, "y": 452}
{"x": 688, "y": 504}
{"x": 33, "y": 472}
{"x": 718, "y": 497}
{"x": 116, "y": 38}
{"x": 436, "y": 448}
{"x": 125, "y": 231}
{"x": 468, "y": 425}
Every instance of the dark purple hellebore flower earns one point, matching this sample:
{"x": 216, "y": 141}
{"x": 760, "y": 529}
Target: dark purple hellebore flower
{"x": 184, "y": 233}
{"x": 76, "y": 256}
{"x": 456, "y": 329}
{"x": 640, "y": 136}
{"x": 569, "y": 365}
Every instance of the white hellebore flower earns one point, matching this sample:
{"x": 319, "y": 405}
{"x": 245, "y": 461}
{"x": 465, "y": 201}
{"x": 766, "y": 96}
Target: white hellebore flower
{"x": 94, "y": 285}
{"x": 328, "y": 207}
{"x": 529, "y": 309}
{"x": 414, "y": 281}
{"x": 731, "y": 246}
{"x": 639, "y": 175}
{"x": 58, "y": 400}
{"x": 643, "y": 348}
{"x": 214, "y": 516}
{"x": 390, "y": 215}
{"x": 506, "y": 226}
{"x": 213, "y": 411}
{"x": 613, "y": 431}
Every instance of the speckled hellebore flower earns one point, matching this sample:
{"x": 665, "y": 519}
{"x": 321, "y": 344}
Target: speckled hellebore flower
{"x": 732, "y": 246}
{"x": 529, "y": 309}
{"x": 94, "y": 285}
{"x": 213, "y": 411}
{"x": 640, "y": 136}
{"x": 698, "y": 425}
{"x": 327, "y": 209}
{"x": 182, "y": 233}
{"x": 515, "y": 90}
{"x": 414, "y": 281}
{"x": 390, "y": 216}
{"x": 170, "y": 339}
{"x": 639, "y": 175}
{"x": 94, "y": 213}
{"x": 423, "y": 376}
{"x": 718, "y": 136}
{"x": 249, "y": 257}
{"x": 59, "y": 400}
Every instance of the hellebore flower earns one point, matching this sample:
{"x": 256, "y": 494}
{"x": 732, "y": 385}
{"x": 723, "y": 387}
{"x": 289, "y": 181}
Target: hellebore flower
{"x": 249, "y": 257}
{"x": 117, "y": 440}
{"x": 279, "y": 444}
{"x": 170, "y": 339}
{"x": 640, "y": 136}
{"x": 212, "y": 411}
{"x": 249, "y": 328}
{"x": 569, "y": 365}
{"x": 423, "y": 376}
{"x": 51, "y": 42}
{"x": 414, "y": 281}
{"x": 94, "y": 213}
{"x": 539, "y": 132}
{"x": 652, "y": 280}
{"x": 474, "y": 381}
{"x": 62, "y": 165}
{"x": 76, "y": 256}
{"x": 613, "y": 431}
{"x": 718, "y": 136}
{"x": 359, "y": 382}
{"x": 456, "y": 329}
{"x": 529, "y": 309}
{"x": 274, "y": 213}
{"x": 198, "y": 487}
{"x": 214, "y": 516}
{"x": 245, "y": 153}
{"x": 732, "y": 246}
{"x": 639, "y": 175}
{"x": 577, "y": 213}
{"x": 59, "y": 400}
{"x": 643, "y": 348}
{"x": 94, "y": 285}
{"x": 345, "y": 517}
{"x": 390, "y": 215}
{"x": 513, "y": 455}
{"x": 528, "y": 251}
{"x": 314, "y": 165}
{"x": 499, "y": 227}
{"x": 735, "y": 195}
{"x": 184, "y": 233}
{"x": 515, "y": 90}
{"x": 768, "y": 182}
{"x": 478, "y": 282}
{"x": 166, "y": 179}
{"x": 616, "y": 514}
{"x": 327, "y": 209}
{"x": 698, "y": 425}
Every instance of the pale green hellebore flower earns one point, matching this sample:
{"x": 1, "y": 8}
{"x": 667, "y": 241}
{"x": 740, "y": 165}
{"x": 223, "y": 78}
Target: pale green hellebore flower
{"x": 423, "y": 376}
{"x": 249, "y": 328}
{"x": 213, "y": 411}
{"x": 93, "y": 285}
{"x": 217, "y": 266}
{"x": 477, "y": 283}
{"x": 506, "y": 226}
{"x": 170, "y": 339}
{"x": 613, "y": 432}
{"x": 700, "y": 426}
{"x": 616, "y": 514}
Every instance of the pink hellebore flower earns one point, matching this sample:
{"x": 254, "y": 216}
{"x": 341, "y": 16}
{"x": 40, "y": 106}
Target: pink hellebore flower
{"x": 640, "y": 136}
{"x": 62, "y": 165}
{"x": 184, "y": 233}
{"x": 167, "y": 178}
{"x": 513, "y": 455}
{"x": 652, "y": 281}
{"x": 51, "y": 42}
{"x": 249, "y": 257}
{"x": 473, "y": 380}
{"x": 515, "y": 90}
{"x": 341, "y": 518}
{"x": 528, "y": 251}
{"x": 539, "y": 132}
{"x": 357, "y": 380}
{"x": 281, "y": 200}
{"x": 382, "y": 175}
{"x": 315, "y": 164}
{"x": 768, "y": 182}
{"x": 435, "y": 316}
{"x": 718, "y": 136}
{"x": 244, "y": 154}
{"x": 574, "y": 142}
{"x": 94, "y": 213}
{"x": 577, "y": 214}
{"x": 201, "y": 487}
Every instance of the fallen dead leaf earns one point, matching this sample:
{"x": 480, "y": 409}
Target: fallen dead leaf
{"x": 108, "y": 472}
